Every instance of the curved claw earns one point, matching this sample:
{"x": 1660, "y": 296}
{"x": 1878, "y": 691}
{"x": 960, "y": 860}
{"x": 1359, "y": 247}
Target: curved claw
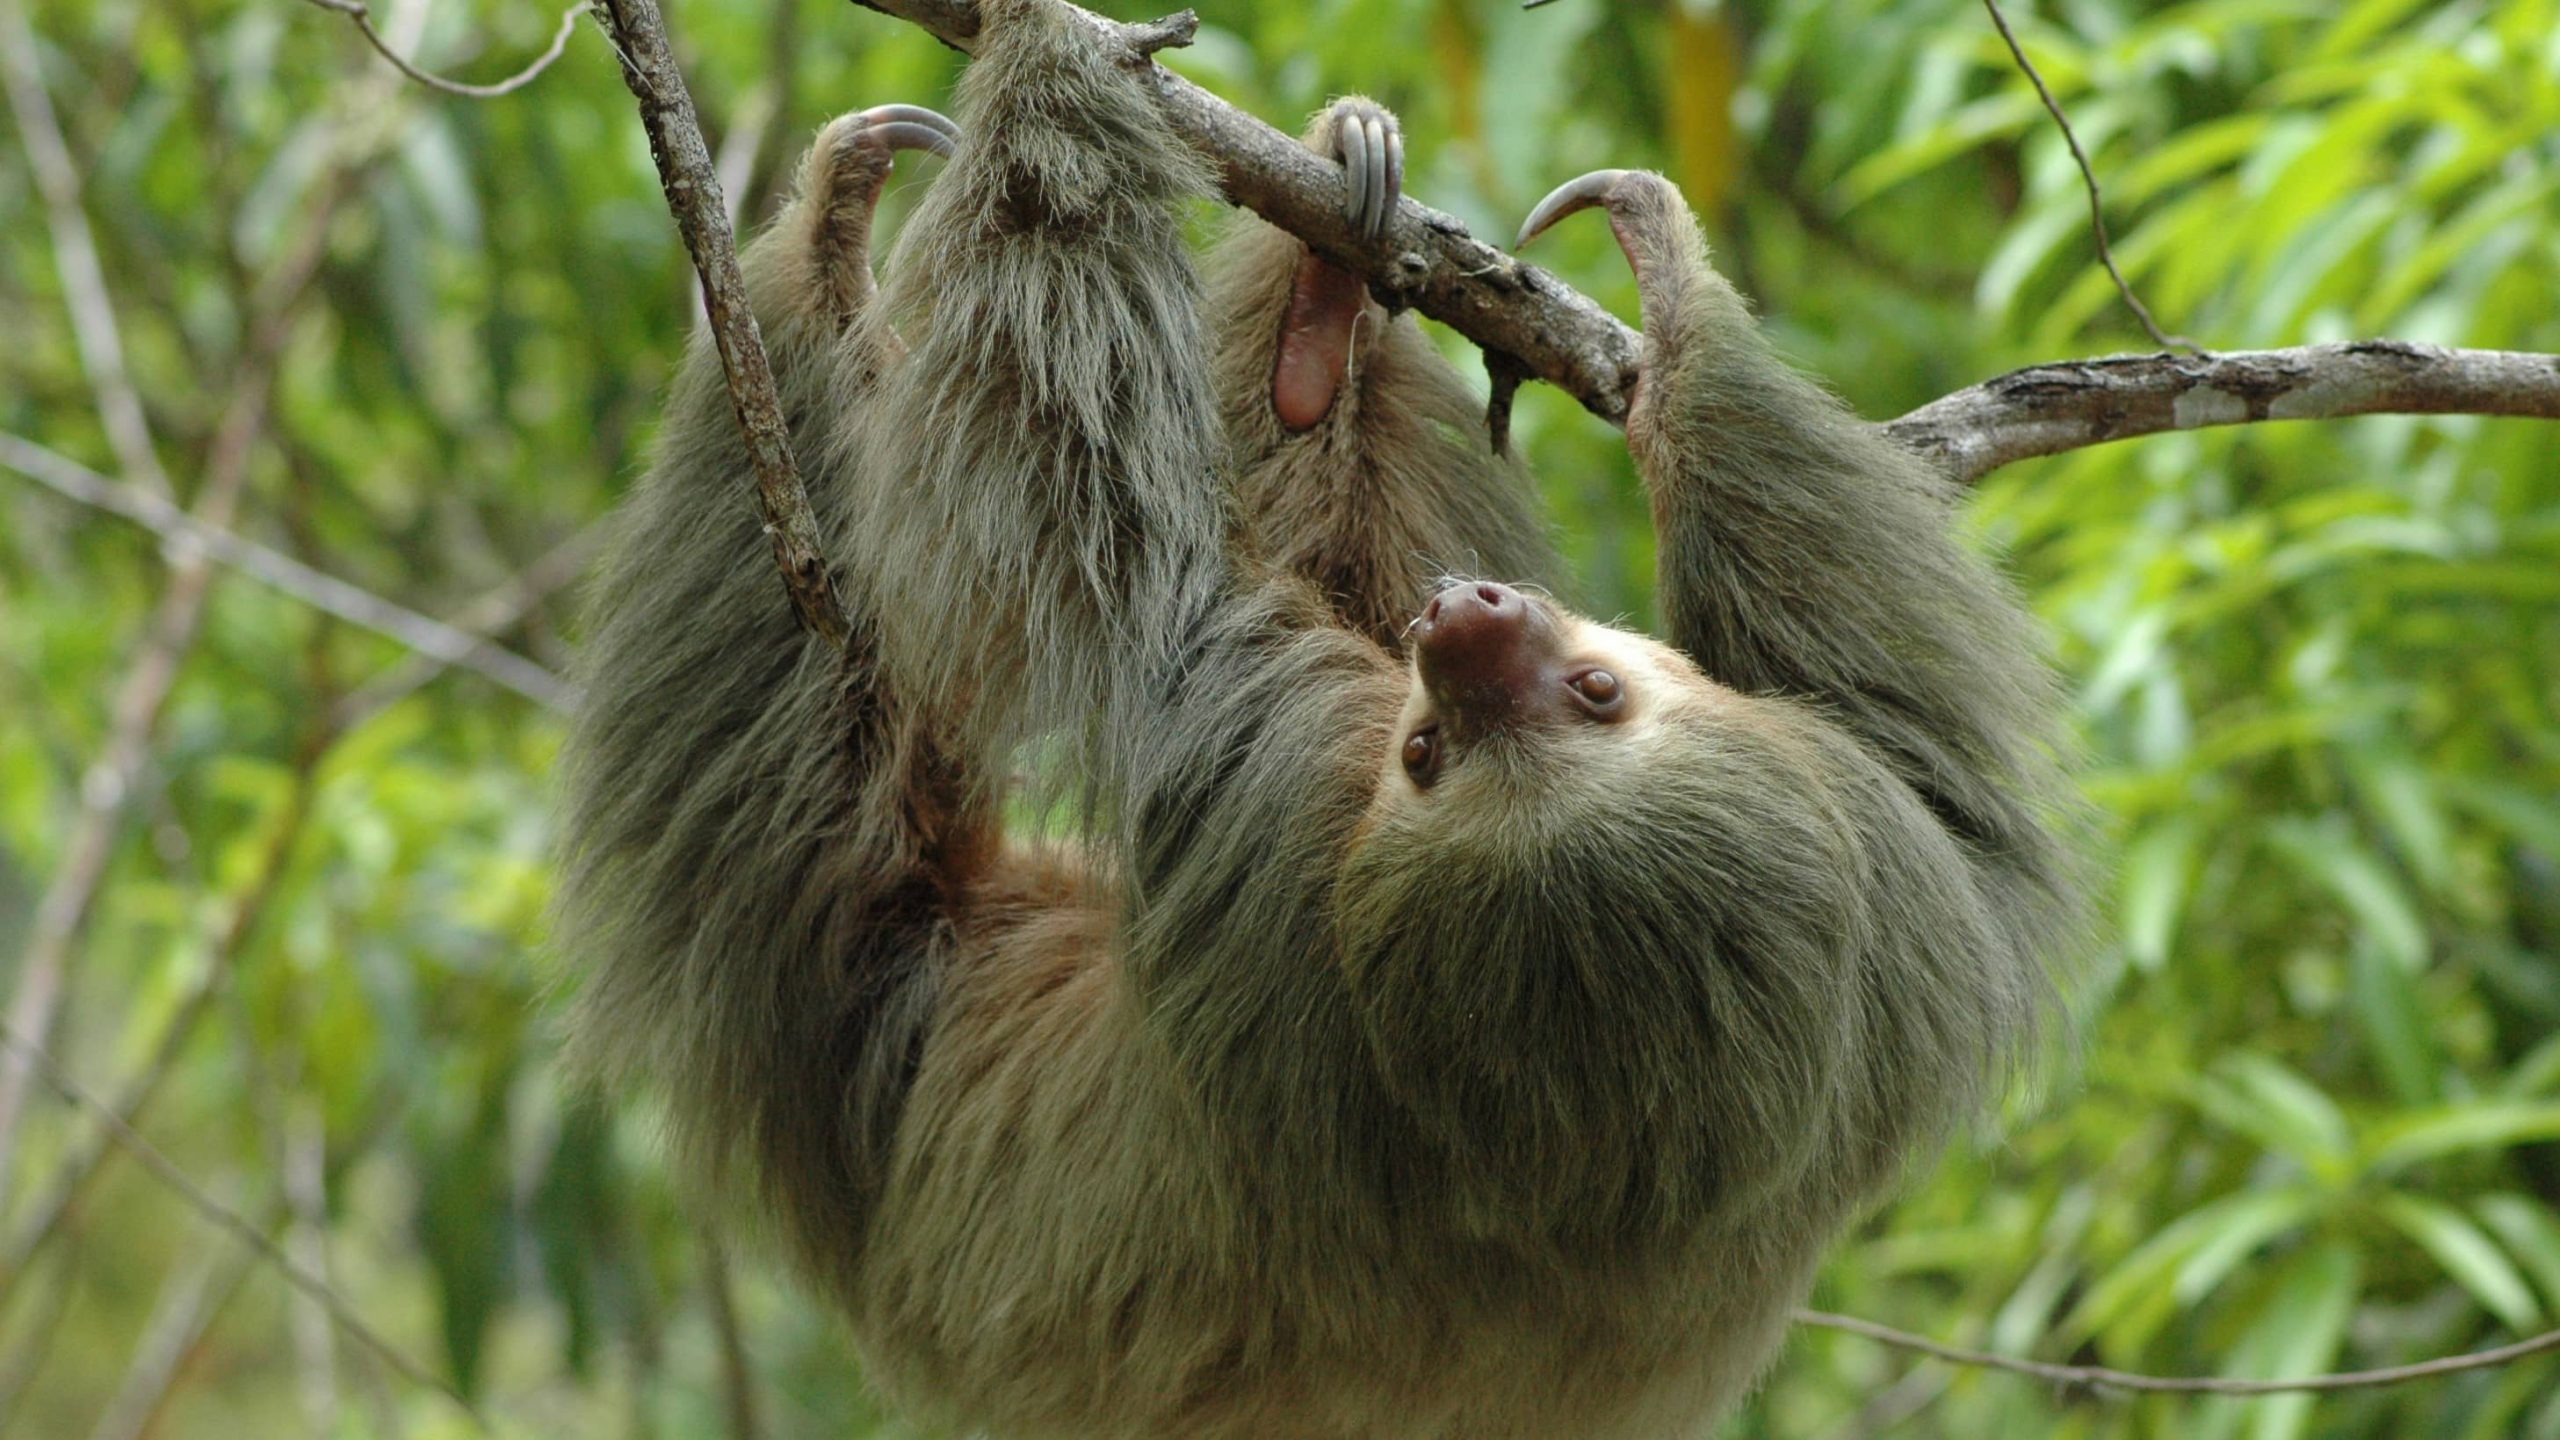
{"x": 1371, "y": 147}
{"x": 1583, "y": 192}
{"x": 1353, "y": 138}
{"x": 911, "y": 127}
{"x": 882, "y": 114}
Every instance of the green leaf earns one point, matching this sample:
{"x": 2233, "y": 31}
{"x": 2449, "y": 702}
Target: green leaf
{"x": 2362, "y": 883}
{"x": 2479, "y": 1126}
{"x": 2158, "y": 869}
{"x": 2532, "y": 1234}
{"x": 2393, "y": 1016}
{"x": 2468, "y": 1255}
{"x": 1968, "y": 129}
{"x": 2531, "y": 819}
{"x": 2134, "y": 1297}
{"x": 2296, "y": 1331}
{"x": 2256, "y": 1096}
{"x": 2403, "y": 797}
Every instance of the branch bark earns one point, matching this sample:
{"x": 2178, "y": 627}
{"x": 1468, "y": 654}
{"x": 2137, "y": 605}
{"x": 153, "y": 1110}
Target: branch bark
{"x": 692, "y": 183}
{"x": 1428, "y": 260}
{"x": 2047, "y": 409}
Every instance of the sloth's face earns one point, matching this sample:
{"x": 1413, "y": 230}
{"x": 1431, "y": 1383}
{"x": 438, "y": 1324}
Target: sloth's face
{"x": 1509, "y": 693}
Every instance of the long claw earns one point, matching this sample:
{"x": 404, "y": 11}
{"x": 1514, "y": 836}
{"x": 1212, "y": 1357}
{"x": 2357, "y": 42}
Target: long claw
{"x": 1379, "y": 195}
{"x": 913, "y": 114}
{"x": 1395, "y": 165}
{"x": 1354, "y": 142}
{"x": 1580, "y": 193}
{"x": 912, "y": 135}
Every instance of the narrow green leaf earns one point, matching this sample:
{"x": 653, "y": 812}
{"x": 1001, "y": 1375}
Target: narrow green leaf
{"x": 2468, "y": 1255}
{"x": 2478, "y": 1126}
{"x": 2158, "y": 869}
{"x": 2532, "y": 1234}
{"x": 2382, "y": 909}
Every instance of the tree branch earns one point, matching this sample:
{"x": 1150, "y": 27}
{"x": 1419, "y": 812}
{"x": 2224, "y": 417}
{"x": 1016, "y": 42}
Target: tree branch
{"x": 362, "y": 16}
{"x": 2072, "y": 404}
{"x": 639, "y": 36}
{"x": 2099, "y": 1377}
{"x": 1427, "y": 260}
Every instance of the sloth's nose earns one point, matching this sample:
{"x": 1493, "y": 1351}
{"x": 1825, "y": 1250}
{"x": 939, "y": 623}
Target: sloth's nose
{"x": 1480, "y": 648}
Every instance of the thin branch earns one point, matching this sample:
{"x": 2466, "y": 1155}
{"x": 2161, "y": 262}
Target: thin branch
{"x": 355, "y": 605}
{"x": 169, "y": 1173}
{"x": 2048, "y": 409}
{"x": 2089, "y": 180}
{"x": 500, "y": 608}
{"x": 362, "y": 16}
{"x": 75, "y": 254}
{"x": 685, "y": 171}
{"x": 2099, "y": 1377}
{"x": 737, "y": 1370}
{"x": 21, "y": 1361}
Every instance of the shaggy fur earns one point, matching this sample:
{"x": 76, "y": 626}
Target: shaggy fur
{"x": 1296, "y": 1098}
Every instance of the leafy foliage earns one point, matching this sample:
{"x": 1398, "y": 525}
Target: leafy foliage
{"x": 2315, "y": 1121}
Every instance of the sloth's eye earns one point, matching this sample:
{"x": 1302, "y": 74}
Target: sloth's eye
{"x": 1599, "y": 689}
{"x": 1422, "y": 756}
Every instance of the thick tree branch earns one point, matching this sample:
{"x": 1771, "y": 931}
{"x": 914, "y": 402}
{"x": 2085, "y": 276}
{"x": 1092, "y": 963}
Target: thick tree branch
{"x": 685, "y": 170}
{"x": 1427, "y": 260}
{"x": 2047, "y": 409}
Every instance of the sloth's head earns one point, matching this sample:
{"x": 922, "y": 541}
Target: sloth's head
{"x": 1588, "y": 889}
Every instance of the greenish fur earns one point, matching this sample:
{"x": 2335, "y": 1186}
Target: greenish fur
{"x": 1290, "y": 1100}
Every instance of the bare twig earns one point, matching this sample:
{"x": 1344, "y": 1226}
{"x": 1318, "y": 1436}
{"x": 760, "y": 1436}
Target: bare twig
{"x": 39, "y": 1332}
{"x": 351, "y": 603}
{"x": 248, "y": 1233}
{"x": 304, "y": 1161}
{"x": 75, "y": 254}
{"x": 2047, "y": 409}
{"x": 362, "y": 17}
{"x": 2089, "y": 180}
{"x": 498, "y": 609}
{"x": 737, "y": 1372}
{"x": 685, "y": 170}
{"x": 2099, "y": 1377}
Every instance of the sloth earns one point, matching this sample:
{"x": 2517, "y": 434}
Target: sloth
{"x": 1435, "y": 1013}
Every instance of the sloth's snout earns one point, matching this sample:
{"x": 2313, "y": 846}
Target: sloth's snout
{"x": 1483, "y": 651}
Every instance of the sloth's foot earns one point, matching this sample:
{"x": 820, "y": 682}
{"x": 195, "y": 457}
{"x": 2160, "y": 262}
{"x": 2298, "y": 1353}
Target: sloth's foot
{"x": 841, "y": 181}
{"x": 1660, "y": 240}
{"x": 1327, "y": 304}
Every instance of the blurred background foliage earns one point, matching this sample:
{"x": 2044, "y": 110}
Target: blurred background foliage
{"x": 2314, "y": 1121}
